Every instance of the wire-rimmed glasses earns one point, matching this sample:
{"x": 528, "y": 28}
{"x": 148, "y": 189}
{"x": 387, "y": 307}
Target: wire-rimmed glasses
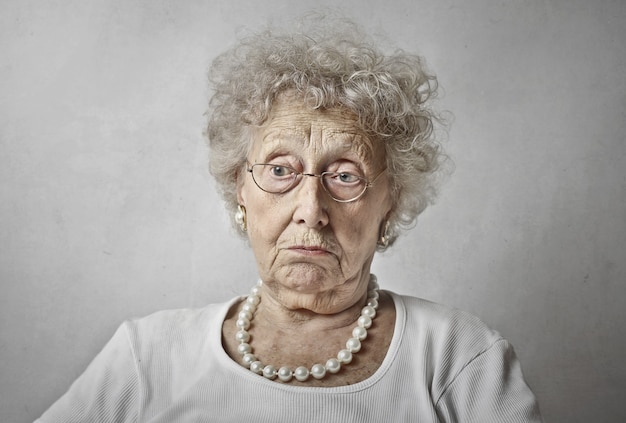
{"x": 343, "y": 187}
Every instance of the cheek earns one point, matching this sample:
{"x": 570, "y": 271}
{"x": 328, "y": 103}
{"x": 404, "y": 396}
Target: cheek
{"x": 262, "y": 235}
{"x": 265, "y": 219}
{"x": 359, "y": 231}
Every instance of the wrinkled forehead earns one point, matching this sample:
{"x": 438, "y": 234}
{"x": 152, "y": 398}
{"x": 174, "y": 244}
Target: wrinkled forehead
{"x": 292, "y": 123}
{"x": 315, "y": 137}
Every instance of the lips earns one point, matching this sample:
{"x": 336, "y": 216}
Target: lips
{"x": 310, "y": 243}
{"x": 309, "y": 250}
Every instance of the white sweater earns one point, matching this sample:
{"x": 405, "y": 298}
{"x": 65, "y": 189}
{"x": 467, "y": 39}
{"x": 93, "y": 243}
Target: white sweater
{"x": 443, "y": 365}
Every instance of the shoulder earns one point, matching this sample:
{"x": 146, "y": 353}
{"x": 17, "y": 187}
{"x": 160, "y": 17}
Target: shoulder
{"x": 181, "y": 316}
{"x": 450, "y": 338}
{"x": 471, "y": 369}
{"x": 184, "y": 325}
{"x": 441, "y": 322}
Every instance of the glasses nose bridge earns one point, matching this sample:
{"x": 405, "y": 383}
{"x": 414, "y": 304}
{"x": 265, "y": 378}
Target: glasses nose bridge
{"x": 300, "y": 176}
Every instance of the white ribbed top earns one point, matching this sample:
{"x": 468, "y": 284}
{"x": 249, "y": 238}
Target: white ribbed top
{"x": 443, "y": 365}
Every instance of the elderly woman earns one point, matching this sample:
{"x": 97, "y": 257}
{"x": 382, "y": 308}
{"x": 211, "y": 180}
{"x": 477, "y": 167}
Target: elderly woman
{"x": 323, "y": 149}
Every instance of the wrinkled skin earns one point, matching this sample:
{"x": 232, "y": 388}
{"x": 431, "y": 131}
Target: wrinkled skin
{"x": 313, "y": 253}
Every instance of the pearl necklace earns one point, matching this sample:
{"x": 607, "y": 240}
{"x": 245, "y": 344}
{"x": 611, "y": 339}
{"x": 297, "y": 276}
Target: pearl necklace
{"x": 302, "y": 373}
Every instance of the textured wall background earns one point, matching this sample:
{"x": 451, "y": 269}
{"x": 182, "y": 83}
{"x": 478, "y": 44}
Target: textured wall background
{"x": 107, "y": 210}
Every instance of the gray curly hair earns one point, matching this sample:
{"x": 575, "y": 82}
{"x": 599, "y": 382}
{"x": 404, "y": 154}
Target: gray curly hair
{"x": 333, "y": 65}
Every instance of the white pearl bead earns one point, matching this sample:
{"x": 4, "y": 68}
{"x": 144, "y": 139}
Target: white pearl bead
{"x": 255, "y": 291}
{"x": 244, "y": 314}
{"x": 372, "y": 302}
{"x": 373, "y": 294}
{"x": 269, "y": 371}
{"x": 369, "y": 312}
{"x": 301, "y": 373}
{"x": 248, "y": 358}
{"x": 253, "y": 299}
{"x": 354, "y": 345}
{"x": 244, "y": 348}
{"x": 344, "y": 356}
{"x": 359, "y": 333}
{"x": 242, "y": 336}
{"x": 248, "y": 307}
{"x": 285, "y": 374}
{"x": 318, "y": 371}
{"x": 365, "y": 322}
{"x": 333, "y": 365}
{"x": 256, "y": 367}
{"x": 243, "y": 324}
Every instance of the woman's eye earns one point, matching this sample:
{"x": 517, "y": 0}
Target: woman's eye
{"x": 347, "y": 177}
{"x": 280, "y": 171}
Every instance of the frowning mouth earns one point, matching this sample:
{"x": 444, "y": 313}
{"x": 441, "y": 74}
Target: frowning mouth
{"x": 309, "y": 250}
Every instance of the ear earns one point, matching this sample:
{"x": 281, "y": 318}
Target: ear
{"x": 391, "y": 205}
{"x": 240, "y": 179}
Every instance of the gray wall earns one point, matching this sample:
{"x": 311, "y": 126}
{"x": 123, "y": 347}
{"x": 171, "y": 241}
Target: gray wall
{"x": 107, "y": 211}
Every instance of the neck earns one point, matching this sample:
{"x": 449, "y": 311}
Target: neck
{"x": 300, "y": 334}
{"x": 272, "y": 312}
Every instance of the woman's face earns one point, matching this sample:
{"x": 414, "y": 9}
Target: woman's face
{"x": 313, "y": 252}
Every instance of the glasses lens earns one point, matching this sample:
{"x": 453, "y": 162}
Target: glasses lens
{"x": 344, "y": 186}
{"x": 278, "y": 179}
{"x": 274, "y": 178}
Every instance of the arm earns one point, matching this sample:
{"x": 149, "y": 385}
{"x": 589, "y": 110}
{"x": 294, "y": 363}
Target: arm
{"x": 106, "y": 392}
{"x": 490, "y": 388}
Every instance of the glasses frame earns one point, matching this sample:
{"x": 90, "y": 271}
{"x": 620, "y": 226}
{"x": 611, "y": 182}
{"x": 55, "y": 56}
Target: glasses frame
{"x": 296, "y": 180}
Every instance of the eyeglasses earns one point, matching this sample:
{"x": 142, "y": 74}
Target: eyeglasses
{"x": 341, "y": 186}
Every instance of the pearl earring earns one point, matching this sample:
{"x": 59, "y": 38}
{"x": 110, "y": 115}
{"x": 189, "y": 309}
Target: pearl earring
{"x": 241, "y": 218}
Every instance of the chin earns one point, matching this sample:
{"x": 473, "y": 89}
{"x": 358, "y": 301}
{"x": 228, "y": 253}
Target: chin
{"x": 306, "y": 278}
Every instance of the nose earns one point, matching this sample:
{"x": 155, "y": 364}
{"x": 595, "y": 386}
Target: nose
{"x": 311, "y": 202}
